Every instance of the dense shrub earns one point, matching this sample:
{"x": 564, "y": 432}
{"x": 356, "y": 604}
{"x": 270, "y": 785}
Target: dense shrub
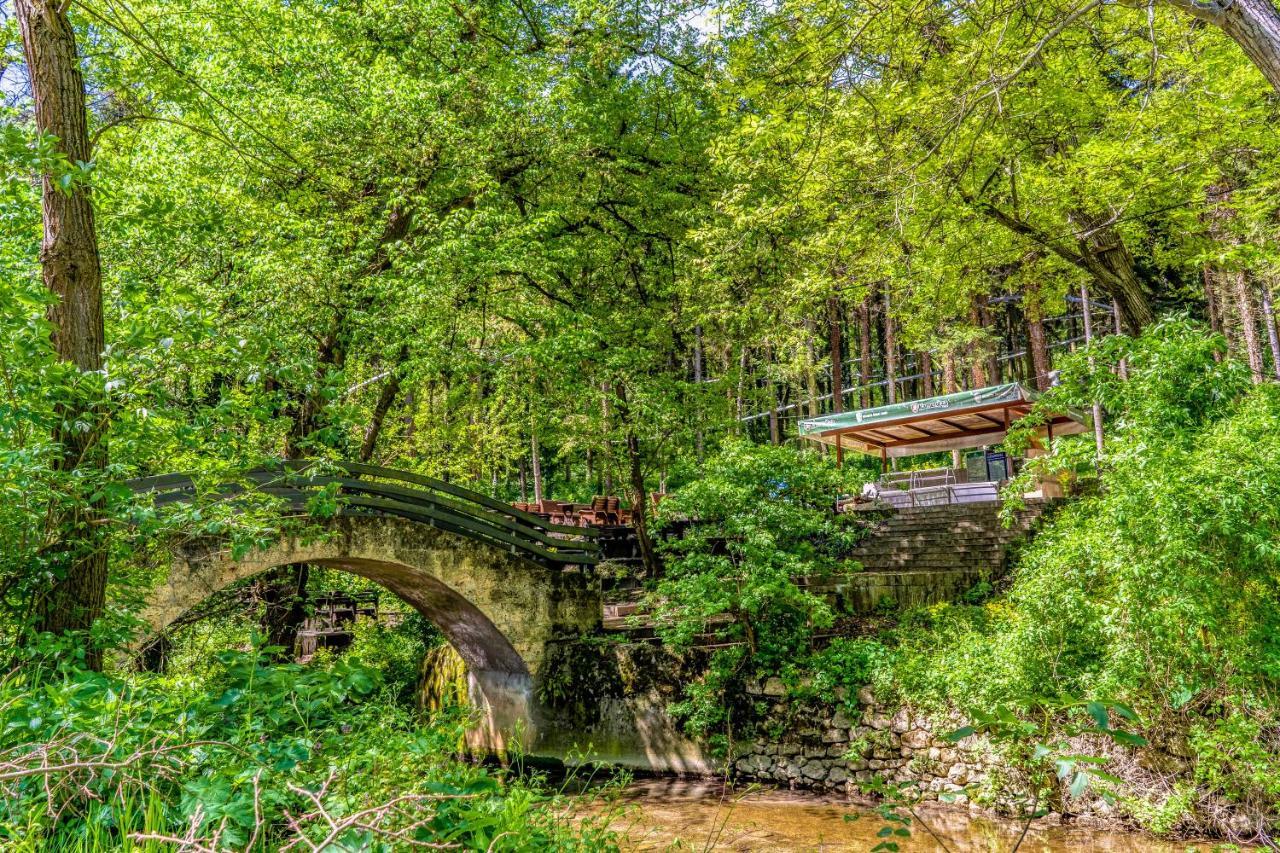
{"x": 758, "y": 524}
{"x": 253, "y": 757}
{"x": 1161, "y": 588}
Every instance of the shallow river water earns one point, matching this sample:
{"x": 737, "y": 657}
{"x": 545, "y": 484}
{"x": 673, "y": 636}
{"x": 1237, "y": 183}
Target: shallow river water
{"x": 699, "y": 815}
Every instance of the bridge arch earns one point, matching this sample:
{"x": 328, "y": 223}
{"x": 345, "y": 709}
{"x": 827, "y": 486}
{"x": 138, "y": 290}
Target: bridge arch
{"x": 497, "y": 608}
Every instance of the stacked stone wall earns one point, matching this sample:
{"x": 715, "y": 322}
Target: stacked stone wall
{"x": 833, "y": 747}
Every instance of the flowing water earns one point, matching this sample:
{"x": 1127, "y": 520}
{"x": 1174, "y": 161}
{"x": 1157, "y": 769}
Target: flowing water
{"x": 699, "y": 815}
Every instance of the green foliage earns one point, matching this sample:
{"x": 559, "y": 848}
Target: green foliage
{"x": 231, "y": 758}
{"x": 1158, "y": 589}
{"x": 1236, "y": 756}
{"x": 756, "y": 527}
{"x": 395, "y": 651}
{"x": 845, "y": 664}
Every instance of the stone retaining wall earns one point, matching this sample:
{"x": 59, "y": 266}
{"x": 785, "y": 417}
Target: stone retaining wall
{"x": 826, "y": 748}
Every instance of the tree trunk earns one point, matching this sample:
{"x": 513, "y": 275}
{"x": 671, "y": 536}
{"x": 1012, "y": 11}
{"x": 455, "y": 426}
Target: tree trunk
{"x": 811, "y": 370}
{"x": 606, "y": 456}
{"x": 1249, "y": 324}
{"x": 284, "y": 592}
{"x": 1252, "y": 24}
{"x": 535, "y": 455}
{"x": 837, "y": 355}
{"x": 1038, "y": 346}
{"x": 639, "y": 495}
{"x": 1228, "y": 315}
{"x": 1088, "y": 339}
{"x": 740, "y": 401}
{"x": 864, "y": 351}
{"x": 697, "y": 382}
{"x": 387, "y": 396}
{"x": 72, "y": 272}
{"x": 1212, "y": 309}
{"x": 926, "y": 374}
{"x": 978, "y": 349}
{"x": 1108, "y": 260}
{"x": 775, "y": 437}
{"x": 949, "y": 386}
{"x": 890, "y": 352}
{"x": 1269, "y": 322}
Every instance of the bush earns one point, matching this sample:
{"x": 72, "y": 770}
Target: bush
{"x": 264, "y": 754}
{"x": 760, "y": 522}
{"x": 1160, "y": 589}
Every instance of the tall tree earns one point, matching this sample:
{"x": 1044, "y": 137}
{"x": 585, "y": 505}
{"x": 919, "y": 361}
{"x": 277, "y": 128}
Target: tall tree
{"x": 73, "y": 275}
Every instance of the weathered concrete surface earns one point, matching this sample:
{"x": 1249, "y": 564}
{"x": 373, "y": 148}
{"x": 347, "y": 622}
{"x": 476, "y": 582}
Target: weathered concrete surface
{"x": 498, "y": 610}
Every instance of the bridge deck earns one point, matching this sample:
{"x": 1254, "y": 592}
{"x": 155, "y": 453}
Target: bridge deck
{"x": 363, "y": 489}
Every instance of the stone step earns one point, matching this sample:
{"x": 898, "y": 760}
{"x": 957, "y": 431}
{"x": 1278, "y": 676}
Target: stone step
{"x": 926, "y": 541}
{"x": 928, "y": 545}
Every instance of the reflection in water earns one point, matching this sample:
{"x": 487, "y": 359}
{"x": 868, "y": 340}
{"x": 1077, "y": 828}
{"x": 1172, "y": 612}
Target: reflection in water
{"x": 684, "y": 814}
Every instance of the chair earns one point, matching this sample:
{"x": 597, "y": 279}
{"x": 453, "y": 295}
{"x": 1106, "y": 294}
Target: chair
{"x": 597, "y": 512}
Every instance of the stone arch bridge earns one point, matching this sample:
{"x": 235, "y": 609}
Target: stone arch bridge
{"x": 501, "y": 584}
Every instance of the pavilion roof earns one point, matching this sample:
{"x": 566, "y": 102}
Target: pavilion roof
{"x": 973, "y": 418}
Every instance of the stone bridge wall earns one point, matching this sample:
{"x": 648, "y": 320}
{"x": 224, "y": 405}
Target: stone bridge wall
{"x": 498, "y": 610}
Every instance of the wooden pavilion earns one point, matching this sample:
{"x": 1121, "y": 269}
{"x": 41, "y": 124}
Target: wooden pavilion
{"x": 965, "y": 419}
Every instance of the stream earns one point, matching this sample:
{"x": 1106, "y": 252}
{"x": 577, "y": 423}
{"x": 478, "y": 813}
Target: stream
{"x": 699, "y": 815}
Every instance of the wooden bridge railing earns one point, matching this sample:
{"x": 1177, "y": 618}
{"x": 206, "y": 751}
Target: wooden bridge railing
{"x": 364, "y": 490}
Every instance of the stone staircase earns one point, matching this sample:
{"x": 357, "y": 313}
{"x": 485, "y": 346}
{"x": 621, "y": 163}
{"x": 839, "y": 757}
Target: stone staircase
{"x": 912, "y": 557}
{"x": 925, "y": 555}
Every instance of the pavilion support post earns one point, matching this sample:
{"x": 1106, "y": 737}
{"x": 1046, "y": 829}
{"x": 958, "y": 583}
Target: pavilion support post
{"x": 884, "y": 460}
{"x": 839, "y": 451}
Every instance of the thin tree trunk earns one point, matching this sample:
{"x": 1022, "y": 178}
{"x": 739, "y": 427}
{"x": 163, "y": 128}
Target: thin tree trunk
{"x": 1088, "y": 339}
{"x": 864, "y": 351}
{"x": 1115, "y": 319}
{"x": 607, "y": 448}
{"x": 890, "y": 352}
{"x": 1249, "y": 324}
{"x": 387, "y": 396}
{"x": 1212, "y": 309}
{"x": 1269, "y": 322}
{"x": 639, "y": 495}
{"x": 926, "y": 374}
{"x": 740, "y": 401}
{"x": 1211, "y": 302}
{"x": 993, "y": 363}
{"x": 1037, "y": 343}
{"x": 535, "y": 456}
{"x": 949, "y": 386}
{"x": 811, "y": 370}
{"x": 697, "y": 382}
{"x": 1228, "y": 310}
{"x": 837, "y": 354}
{"x": 775, "y": 437}
{"x": 977, "y": 349}
{"x": 72, "y": 273}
